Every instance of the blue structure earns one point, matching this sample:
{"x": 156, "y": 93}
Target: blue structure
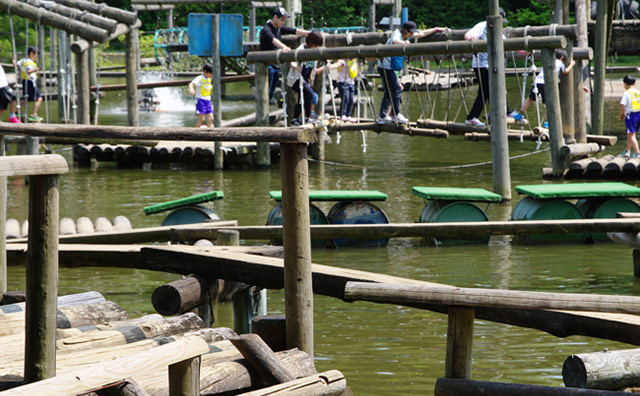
{"x": 230, "y": 34}
{"x": 404, "y": 16}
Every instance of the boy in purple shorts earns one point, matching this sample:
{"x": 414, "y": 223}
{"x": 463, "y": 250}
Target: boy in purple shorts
{"x": 630, "y": 113}
{"x": 201, "y": 87}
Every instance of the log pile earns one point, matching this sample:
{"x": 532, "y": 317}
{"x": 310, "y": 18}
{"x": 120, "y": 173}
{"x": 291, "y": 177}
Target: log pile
{"x": 68, "y": 226}
{"x": 607, "y": 167}
{"x": 96, "y": 340}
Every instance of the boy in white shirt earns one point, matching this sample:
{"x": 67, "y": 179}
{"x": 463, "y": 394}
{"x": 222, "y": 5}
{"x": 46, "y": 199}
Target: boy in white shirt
{"x": 630, "y": 113}
{"x": 7, "y": 98}
{"x": 201, "y": 88}
{"x": 29, "y": 74}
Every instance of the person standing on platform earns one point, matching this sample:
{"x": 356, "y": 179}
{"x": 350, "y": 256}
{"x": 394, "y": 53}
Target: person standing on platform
{"x": 29, "y": 74}
{"x": 630, "y": 113}
{"x": 201, "y": 88}
{"x": 347, "y": 73}
{"x": 480, "y": 65}
{"x": 270, "y": 36}
{"x": 7, "y": 98}
{"x": 387, "y": 68}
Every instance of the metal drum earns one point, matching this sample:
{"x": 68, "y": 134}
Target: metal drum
{"x": 548, "y": 209}
{"x": 315, "y": 216}
{"x": 190, "y": 215}
{"x": 439, "y": 211}
{"x": 605, "y": 208}
{"x": 357, "y": 212}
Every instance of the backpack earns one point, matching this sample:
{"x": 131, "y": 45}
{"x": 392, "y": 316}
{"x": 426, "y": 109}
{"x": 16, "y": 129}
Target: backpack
{"x": 352, "y": 65}
{"x": 397, "y": 63}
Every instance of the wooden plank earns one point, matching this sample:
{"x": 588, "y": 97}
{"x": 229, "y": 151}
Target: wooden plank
{"x": 91, "y": 377}
{"x": 303, "y": 134}
{"x": 19, "y": 165}
{"x": 329, "y": 383}
{"x": 262, "y": 359}
{"x": 459, "y": 342}
{"x": 465, "y": 387}
{"x": 609, "y": 370}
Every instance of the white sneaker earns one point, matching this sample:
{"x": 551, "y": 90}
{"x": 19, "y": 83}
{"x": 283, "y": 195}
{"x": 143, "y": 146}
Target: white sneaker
{"x": 474, "y": 121}
{"x": 385, "y": 120}
{"x": 400, "y": 119}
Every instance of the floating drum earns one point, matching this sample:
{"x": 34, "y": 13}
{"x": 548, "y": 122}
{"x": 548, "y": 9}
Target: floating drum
{"x": 315, "y": 216}
{"x": 190, "y": 215}
{"x": 357, "y": 212}
{"x": 548, "y": 209}
{"x": 440, "y": 211}
{"x": 603, "y": 208}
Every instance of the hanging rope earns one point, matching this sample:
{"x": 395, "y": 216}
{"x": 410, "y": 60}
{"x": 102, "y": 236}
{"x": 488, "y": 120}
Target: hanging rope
{"x": 97, "y": 101}
{"x": 15, "y": 62}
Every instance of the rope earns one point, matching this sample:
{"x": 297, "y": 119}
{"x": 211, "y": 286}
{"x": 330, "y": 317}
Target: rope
{"x": 97, "y": 101}
{"x": 15, "y": 60}
{"x": 430, "y": 168}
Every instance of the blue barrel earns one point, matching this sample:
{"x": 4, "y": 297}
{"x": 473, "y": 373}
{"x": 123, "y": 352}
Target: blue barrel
{"x": 439, "y": 211}
{"x": 357, "y": 212}
{"x": 548, "y": 209}
{"x": 315, "y": 216}
{"x": 190, "y": 215}
{"x": 605, "y": 208}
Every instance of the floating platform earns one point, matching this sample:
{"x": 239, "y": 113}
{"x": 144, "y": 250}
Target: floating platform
{"x": 192, "y": 153}
{"x": 606, "y": 167}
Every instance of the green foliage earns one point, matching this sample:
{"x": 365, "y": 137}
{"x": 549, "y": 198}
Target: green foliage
{"x": 535, "y": 14}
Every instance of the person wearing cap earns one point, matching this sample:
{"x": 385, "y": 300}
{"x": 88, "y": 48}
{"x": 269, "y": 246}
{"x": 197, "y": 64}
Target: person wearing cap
{"x": 29, "y": 74}
{"x": 390, "y": 83}
{"x": 480, "y": 66}
{"x": 270, "y": 36}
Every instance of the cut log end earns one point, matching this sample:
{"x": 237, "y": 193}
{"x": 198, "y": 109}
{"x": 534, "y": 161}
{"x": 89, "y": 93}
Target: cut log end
{"x": 574, "y": 373}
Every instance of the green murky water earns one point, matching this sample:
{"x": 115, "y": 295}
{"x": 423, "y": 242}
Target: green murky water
{"x": 382, "y": 349}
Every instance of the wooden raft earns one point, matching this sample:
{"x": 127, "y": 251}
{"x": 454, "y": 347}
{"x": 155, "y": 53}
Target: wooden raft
{"x": 606, "y": 167}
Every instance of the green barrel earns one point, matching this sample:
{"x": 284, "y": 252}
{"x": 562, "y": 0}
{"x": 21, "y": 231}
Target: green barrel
{"x": 315, "y": 216}
{"x": 190, "y": 215}
{"x": 453, "y": 211}
{"x": 605, "y": 208}
{"x": 357, "y": 212}
{"x": 548, "y": 209}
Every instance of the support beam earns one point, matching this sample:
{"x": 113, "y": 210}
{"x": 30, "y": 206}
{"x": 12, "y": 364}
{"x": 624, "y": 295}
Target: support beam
{"x": 600, "y": 55}
{"x": 72, "y": 13}
{"x": 581, "y": 75}
{"x": 120, "y": 15}
{"x": 567, "y": 98}
{"x": 263, "y": 152}
{"x": 216, "y": 93}
{"x": 131, "y": 62}
{"x": 459, "y": 342}
{"x": 83, "y": 45}
{"x": 298, "y": 292}
{"x": 554, "y": 114}
{"x": 82, "y": 88}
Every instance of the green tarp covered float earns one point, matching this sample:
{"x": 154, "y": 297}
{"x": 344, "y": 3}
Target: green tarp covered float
{"x": 187, "y": 210}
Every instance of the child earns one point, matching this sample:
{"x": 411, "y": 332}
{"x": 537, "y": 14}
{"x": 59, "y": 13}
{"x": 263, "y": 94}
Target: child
{"x": 201, "y": 87}
{"x": 7, "y": 98}
{"x": 538, "y": 83}
{"x": 347, "y": 72}
{"x": 303, "y": 73}
{"x": 29, "y": 74}
{"x": 630, "y": 113}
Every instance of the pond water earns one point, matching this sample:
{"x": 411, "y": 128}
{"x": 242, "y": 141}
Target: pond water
{"x": 382, "y": 349}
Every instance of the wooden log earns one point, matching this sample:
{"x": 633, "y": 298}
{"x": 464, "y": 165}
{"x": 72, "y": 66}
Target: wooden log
{"x": 95, "y": 20}
{"x": 553, "y": 110}
{"x": 131, "y": 61}
{"x": 183, "y": 295}
{"x": 603, "y": 140}
{"x": 92, "y": 297}
{"x": 303, "y": 134}
{"x": 24, "y": 230}
{"x": 614, "y": 167}
{"x": 608, "y": 370}
{"x": 103, "y": 225}
{"x": 630, "y": 168}
{"x": 511, "y": 135}
{"x": 390, "y": 128}
{"x": 459, "y": 342}
{"x": 41, "y": 273}
{"x": 104, "y": 373}
{"x": 12, "y": 227}
{"x": 23, "y": 165}
{"x": 84, "y": 225}
{"x": 68, "y": 316}
{"x": 216, "y": 96}
{"x": 376, "y": 51}
{"x": 600, "y": 47}
{"x": 595, "y": 168}
{"x": 263, "y": 153}
{"x": 570, "y": 151}
{"x": 121, "y": 223}
{"x": 626, "y": 238}
{"x": 184, "y": 377}
{"x": 271, "y": 329}
{"x": 55, "y": 20}
{"x": 473, "y": 297}
{"x": 127, "y": 387}
{"x": 578, "y": 168}
{"x": 118, "y": 14}
{"x": 249, "y": 119}
{"x": 569, "y": 31}
{"x": 328, "y": 383}
{"x": 263, "y": 360}
{"x": 12, "y": 297}
{"x": 80, "y": 46}
{"x": 465, "y": 387}
{"x": 67, "y": 226}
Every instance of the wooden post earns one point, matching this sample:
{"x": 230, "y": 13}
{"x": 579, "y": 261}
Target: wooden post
{"x": 600, "y": 56}
{"x": 263, "y": 360}
{"x": 567, "y": 98}
{"x": 3, "y": 220}
{"x": 93, "y": 75}
{"x": 372, "y": 16}
{"x": 459, "y": 343}
{"x": 252, "y": 23}
{"x": 289, "y": 6}
{"x": 582, "y": 100}
{"x": 271, "y": 328}
{"x": 184, "y": 378}
{"x": 61, "y": 37}
{"x": 557, "y": 11}
{"x": 170, "y": 18}
{"x": 84, "y": 95}
{"x": 497, "y": 86}
{"x": 263, "y": 153}
{"x": 42, "y": 279}
{"x": 395, "y": 13}
{"x": 298, "y": 292}
{"x": 554, "y": 115}
{"x": 216, "y": 93}
{"x": 131, "y": 63}
{"x": 636, "y": 263}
